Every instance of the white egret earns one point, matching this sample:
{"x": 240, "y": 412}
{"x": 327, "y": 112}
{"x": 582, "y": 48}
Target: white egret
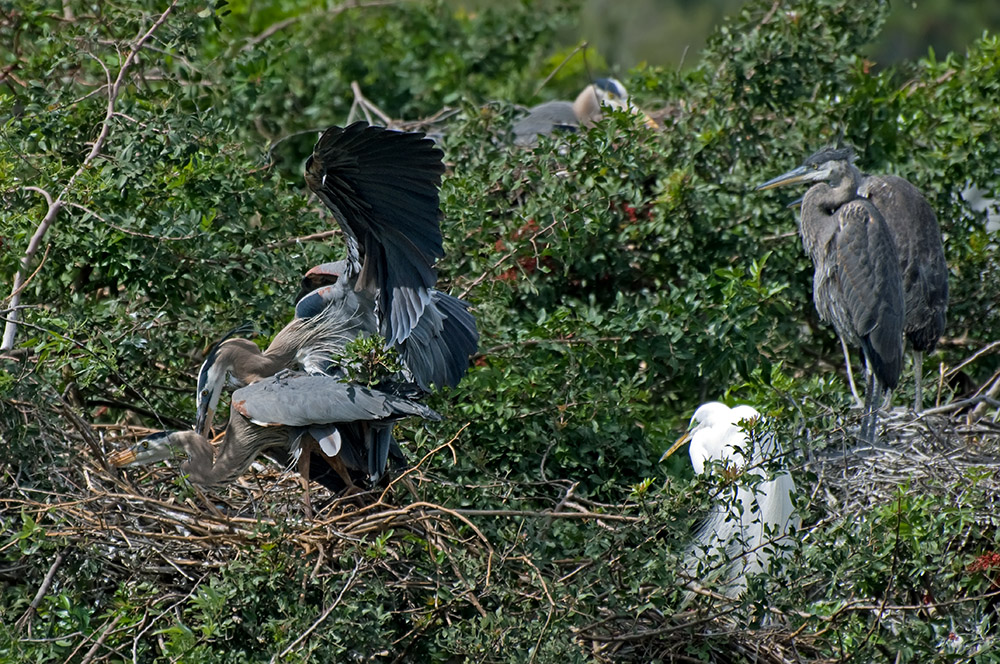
{"x": 742, "y": 535}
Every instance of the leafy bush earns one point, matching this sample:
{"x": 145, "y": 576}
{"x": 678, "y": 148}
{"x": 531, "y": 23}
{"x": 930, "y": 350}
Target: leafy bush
{"x": 620, "y": 276}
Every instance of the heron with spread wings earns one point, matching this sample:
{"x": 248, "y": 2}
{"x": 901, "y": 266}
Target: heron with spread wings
{"x": 382, "y": 187}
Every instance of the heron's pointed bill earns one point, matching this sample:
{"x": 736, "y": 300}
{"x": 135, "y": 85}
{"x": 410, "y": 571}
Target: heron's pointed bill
{"x": 204, "y": 426}
{"x": 673, "y": 448}
{"x": 794, "y": 176}
{"x": 157, "y": 447}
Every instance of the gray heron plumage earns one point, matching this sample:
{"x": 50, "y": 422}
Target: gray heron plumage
{"x": 382, "y": 187}
{"x": 923, "y": 269}
{"x": 439, "y": 347}
{"x": 857, "y": 286}
{"x": 585, "y": 111}
{"x": 351, "y": 423}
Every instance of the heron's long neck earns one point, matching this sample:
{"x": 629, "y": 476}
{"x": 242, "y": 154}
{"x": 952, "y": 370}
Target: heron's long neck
{"x": 839, "y": 191}
{"x": 244, "y": 361}
{"x": 587, "y": 107}
{"x": 243, "y": 442}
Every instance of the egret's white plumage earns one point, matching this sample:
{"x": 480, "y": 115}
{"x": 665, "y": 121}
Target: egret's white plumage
{"x": 743, "y": 533}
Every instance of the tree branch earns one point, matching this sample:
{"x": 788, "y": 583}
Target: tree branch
{"x": 10, "y": 329}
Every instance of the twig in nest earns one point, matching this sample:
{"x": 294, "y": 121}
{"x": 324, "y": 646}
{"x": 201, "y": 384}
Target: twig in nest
{"x": 25, "y": 619}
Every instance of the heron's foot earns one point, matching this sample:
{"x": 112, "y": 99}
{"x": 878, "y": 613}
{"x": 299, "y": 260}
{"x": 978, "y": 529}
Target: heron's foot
{"x": 283, "y": 374}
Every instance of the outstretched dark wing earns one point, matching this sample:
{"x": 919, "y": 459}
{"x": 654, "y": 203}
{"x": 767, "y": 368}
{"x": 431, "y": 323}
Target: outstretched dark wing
{"x": 439, "y": 348}
{"x": 382, "y": 187}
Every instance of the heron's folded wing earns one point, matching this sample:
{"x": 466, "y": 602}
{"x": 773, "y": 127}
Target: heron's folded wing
{"x": 303, "y": 400}
{"x": 871, "y": 287}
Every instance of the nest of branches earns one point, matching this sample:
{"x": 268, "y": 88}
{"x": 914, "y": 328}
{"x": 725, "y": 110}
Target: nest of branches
{"x": 926, "y": 453}
{"x": 149, "y": 524}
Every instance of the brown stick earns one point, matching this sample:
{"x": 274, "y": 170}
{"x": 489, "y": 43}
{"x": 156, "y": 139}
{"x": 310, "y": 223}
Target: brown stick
{"x": 42, "y": 589}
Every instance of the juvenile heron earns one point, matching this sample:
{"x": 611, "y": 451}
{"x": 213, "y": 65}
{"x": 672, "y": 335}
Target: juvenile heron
{"x": 739, "y": 538}
{"x": 585, "y": 111}
{"x": 857, "y": 284}
{"x": 917, "y": 236}
{"x": 350, "y": 423}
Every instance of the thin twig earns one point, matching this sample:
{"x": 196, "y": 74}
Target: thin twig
{"x": 10, "y": 328}
{"x": 323, "y": 616}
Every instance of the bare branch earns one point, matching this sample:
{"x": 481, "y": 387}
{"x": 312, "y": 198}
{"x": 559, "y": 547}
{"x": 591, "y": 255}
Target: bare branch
{"x": 10, "y": 329}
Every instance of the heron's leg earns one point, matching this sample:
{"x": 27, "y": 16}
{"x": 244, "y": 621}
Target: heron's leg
{"x": 850, "y": 374}
{"x": 865, "y": 433}
{"x": 918, "y": 366}
{"x": 341, "y": 470}
{"x": 873, "y": 395}
{"x": 305, "y": 457}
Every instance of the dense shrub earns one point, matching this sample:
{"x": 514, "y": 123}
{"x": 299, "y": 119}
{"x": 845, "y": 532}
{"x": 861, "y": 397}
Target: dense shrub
{"x": 620, "y": 276}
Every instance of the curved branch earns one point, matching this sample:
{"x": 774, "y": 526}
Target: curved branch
{"x": 10, "y": 329}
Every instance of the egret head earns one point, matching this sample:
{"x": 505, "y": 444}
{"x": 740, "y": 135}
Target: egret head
{"x": 715, "y": 434}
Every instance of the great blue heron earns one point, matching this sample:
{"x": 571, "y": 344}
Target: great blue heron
{"x": 438, "y": 349}
{"x": 382, "y": 187}
{"x": 329, "y": 313}
{"x": 922, "y": 265}
{"x": 311, "y": 343}
{"x": 741, "y": 537}
{"x": 584, "y": 111}
{"x": 857, "y": 284}
{"x": 350, "y": 423}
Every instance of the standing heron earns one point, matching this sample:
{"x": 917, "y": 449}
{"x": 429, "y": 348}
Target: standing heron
{"x": 350, "y": 423}
{"x": 739, "y": 539}
{"x": 917, "y": 236}
{"x": 857, "y": 284}
{"x": 585, "y": 111}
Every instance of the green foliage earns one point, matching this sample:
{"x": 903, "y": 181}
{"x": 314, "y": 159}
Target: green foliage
{"x": 620, "y": 276}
